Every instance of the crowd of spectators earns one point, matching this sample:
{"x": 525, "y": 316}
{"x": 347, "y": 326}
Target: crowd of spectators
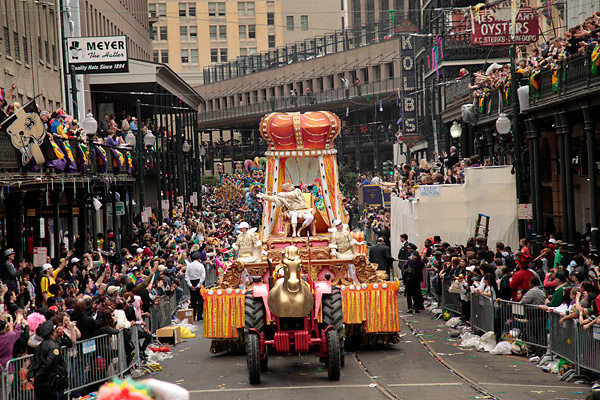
{"x": 582, "y": 38}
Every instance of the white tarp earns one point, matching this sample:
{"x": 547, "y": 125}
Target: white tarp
{"x": 452, "y": 215}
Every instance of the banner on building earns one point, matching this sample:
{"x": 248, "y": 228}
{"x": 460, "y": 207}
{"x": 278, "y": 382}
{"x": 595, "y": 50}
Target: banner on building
{"x": 503, "y": 25}
{"x": 97, "y": 55}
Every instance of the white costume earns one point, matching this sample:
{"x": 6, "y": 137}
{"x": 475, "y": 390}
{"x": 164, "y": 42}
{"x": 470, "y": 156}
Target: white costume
{"x": 294, "y": 202}
{"x": 342, "y": 245}
{"x": 248, "y": 245}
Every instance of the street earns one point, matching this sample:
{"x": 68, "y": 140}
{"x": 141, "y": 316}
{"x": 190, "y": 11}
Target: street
{"x": 406, "y": 371}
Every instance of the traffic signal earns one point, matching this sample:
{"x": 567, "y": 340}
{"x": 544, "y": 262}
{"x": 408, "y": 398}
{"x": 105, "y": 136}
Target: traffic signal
{"x": 388, "y": 168}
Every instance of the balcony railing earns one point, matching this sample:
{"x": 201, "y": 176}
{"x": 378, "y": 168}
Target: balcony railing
{"x": 288, "y": 103}
{"x": 10, "y": 159}
{"x": 458, "y": 92}
{"x": 573, "y": 76}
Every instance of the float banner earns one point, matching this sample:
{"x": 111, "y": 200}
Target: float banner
{"x": 97, "y": 55}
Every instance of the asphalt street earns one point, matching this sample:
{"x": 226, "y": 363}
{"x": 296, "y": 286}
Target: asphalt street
{"x": 407, "y": 370}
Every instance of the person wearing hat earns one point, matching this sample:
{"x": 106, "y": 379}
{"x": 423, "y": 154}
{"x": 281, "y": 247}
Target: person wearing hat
{"x": 9, "y": 272}
{"x": 522, "y": 278}
{"x": 341, "y": 241}
{"x": 194, "y": 276}
{"x": 248, "y": 245}
{"x": 48, "y": 368}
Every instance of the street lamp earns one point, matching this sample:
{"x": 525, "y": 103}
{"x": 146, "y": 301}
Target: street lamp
{"x": 89, "y": 124}
{"x": 455, "y": 130}
{"x": 185, "y": 147}
{"x": 149, "y": 139}
{"x": 130, "y": 140}
{"x": 456, "y": 133}
{"x": 503, "y": 125}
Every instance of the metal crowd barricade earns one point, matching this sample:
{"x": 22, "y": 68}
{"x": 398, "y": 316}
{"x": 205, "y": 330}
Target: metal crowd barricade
{"x": 450, "y": 301}
{"x": 483, "y": 312}
{"x": 94, "y": 361}
{"x": 564, "y": 338}
{"x": 160, "y": 315}
{"x": 588, "y": 344}
{"x": 524, "y": 322}
{"x": 211, "y": 276}
{"x": 15, "y": 385}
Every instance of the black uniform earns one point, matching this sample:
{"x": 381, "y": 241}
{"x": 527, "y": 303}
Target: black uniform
{"x": 49, "y": 370}
{"x": 10, "y": 274}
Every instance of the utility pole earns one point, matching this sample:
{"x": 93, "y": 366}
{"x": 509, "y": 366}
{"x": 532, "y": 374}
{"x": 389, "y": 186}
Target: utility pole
{"x": 516, "y": 135}
{"x": 141, "y": 163}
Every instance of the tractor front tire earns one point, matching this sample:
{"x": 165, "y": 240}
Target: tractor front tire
{"x": 334, "y": 357}
{"x": 253, "y": 358}
{"x": 334, "y": 315}
{"x": 256, "y": 316}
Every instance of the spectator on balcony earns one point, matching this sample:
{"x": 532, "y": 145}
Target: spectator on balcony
{"x": 125, "y": 124}
{"x": 293, "y": 98}
{"x": 463, "y": 72}
{"x": 346, "y": 86}
{"x": 111, "y": 139}
{"x": 104, "y": 126}
{"x": 357, "y": 85}
{"x": 133, "y": 126}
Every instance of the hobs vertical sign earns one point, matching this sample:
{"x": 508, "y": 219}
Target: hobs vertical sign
{"x": 97, "y": 55}
{"x": 409, "y": 96}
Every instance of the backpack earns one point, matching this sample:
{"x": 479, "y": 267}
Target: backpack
{"x": 39, "y": 298}
{"x": 409, "y": 275}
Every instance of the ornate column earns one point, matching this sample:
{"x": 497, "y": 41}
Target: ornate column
{"x": 590, "y": 132}
{"x": 568, "y": 134}
{"x": 533, "y": 134}
{"x": 563, "y": 182}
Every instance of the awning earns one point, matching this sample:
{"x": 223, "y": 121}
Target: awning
{"x": 142, "y": 78}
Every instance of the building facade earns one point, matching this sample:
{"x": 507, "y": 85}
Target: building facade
{"x": 188, "y": 36}
{"x": 30, "y": 52}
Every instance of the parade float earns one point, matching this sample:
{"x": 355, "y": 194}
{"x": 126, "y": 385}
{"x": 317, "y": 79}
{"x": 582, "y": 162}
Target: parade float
{"x": 300, "y": 186}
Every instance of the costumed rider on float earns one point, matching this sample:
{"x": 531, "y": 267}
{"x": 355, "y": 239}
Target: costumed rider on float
{"x": 342, "y": 244}
{"x": 294, "y": 202}
{"x": 248, "y": 245}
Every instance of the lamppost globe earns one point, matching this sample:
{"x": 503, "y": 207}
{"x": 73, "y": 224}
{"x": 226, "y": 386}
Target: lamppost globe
{"x": 503, "y": 124}
{"x": 130, "y": 139}
{"x": 149, "y": 139}
{"x": 202, "y": 151}
{"x": 89, "y": 124}
{"x": 455, "y": 130}
{"x": 185, "y": 147}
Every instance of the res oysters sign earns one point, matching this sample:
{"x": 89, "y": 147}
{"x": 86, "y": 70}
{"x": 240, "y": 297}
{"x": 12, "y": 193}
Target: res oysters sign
{"x": 97, "y": 55}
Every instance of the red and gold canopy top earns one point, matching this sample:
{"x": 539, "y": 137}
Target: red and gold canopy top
{"x": 300, "y": 135}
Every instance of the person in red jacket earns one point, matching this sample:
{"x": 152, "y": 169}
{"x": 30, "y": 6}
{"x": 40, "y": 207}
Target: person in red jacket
{"x": 522, "y": 278}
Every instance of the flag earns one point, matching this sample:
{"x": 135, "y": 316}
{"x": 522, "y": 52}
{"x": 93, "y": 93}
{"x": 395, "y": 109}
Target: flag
{"x": 101, "y": 159}
{"x": 129, "y": 164}
{"x": 555, "y": 79}
{"x": 596, "y": 60}
{"x": 83, "y": 154}
{"x": 27, "y": 133}
{"x": 65, "y": 147}
{"x": 372, "y": 195}
{"x": 534, "y": 83}
{"x": 57, "y": 159}
{"x": 118, "y": 161}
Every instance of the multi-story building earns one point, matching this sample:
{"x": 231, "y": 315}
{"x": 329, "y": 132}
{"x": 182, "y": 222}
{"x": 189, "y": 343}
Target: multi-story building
{"x": 190, "y": 35}
{"x": 30, "y": 52}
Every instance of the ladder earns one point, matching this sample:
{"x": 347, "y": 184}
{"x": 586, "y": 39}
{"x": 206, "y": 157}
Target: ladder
{"x": 485, "y": 226}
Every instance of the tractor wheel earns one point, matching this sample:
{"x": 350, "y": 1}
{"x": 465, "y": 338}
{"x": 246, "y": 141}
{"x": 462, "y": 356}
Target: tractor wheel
{"x": 334, "y": 358}
{"x": 255, "y": 313}
{"x": 334, "y": 315}
{"x": 253, "y": 358}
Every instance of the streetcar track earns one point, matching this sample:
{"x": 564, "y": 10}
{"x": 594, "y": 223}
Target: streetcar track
{"x": 374, "y": 380}
{"x": 476, "y": 386}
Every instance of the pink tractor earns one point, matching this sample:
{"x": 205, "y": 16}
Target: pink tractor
{"x": 284, "y": 318}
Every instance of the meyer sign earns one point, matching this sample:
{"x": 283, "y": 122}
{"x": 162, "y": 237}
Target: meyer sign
{"x": 97, "y": 55}
{"x": 493, "y": 26}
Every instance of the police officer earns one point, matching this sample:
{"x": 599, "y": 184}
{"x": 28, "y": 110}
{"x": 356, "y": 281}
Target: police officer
{"x": 48, "y": 368}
